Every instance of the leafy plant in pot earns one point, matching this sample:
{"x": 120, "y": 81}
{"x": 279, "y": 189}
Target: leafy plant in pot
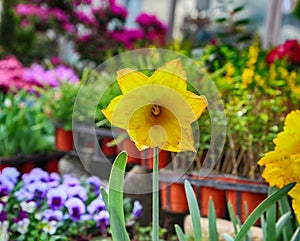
{"x": 58, "y": 106}
{"x": 24, "y": 128}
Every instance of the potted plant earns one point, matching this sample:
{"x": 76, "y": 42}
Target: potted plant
{"x": 26, "y": 132}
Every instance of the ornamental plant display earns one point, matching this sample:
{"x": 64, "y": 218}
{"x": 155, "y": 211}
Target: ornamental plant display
{"x": 96, "y": 30}
{"x": 258, "y": 88}
{"x": 44, "y": 206}
{"x": 24, "y": 127}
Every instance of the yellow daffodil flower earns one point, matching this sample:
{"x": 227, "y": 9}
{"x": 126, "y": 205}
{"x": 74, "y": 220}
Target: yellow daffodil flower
{"x": 282, "y": 166}
{"x": 156, "y": 111}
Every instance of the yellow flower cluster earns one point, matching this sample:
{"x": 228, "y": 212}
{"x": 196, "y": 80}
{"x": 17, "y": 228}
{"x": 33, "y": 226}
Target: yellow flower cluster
{"x": 249, "y": 72}
{"x": 282, "y": 166}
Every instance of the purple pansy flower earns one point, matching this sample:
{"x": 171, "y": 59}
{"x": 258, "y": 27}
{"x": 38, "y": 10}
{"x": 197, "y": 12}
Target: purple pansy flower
{"x": 11, "y": 174}
{"x": 96, "y": 205}
{"x": 52, "y": 215}
{"x": 137, "y": 209}
{"x": 102, "y": 219}
{"x": 70, "y": 181}
{"x": 23, "y": 195}
{"x": 37, "y": 174}
{"x": 76, "y": 191}
{"x": 94, "y": 184}
{"x": 75, "y": 207}
{"x": 56, "y": 197}
{"x": 53, "y": 180}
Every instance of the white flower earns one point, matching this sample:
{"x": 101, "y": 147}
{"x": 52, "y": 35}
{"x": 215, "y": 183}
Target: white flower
{"x": 29, "y": 207}
{"x": 23, "y": 226}
{"x": 3, "y": 231}
{"x": 51, "y": 227}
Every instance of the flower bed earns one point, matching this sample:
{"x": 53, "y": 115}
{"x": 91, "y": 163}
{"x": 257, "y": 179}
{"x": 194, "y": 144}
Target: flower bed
{"x": 51, "y": 207}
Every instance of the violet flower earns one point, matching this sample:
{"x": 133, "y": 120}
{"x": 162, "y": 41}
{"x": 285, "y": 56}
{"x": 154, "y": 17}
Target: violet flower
{"x": 56, "y": 197}
{"x": 94, "y": 184}
{"x": 23, "y": 195}
{"x": 52, "y": 215}
{"x": 70, "y": 181}
{"x": 76, "y": 208}
{"x": 102, "y": 219}
{"x": 53, "y": 180}
{"x": 11, "y": 174}
{"x": 137, "y": 209}
{"x": 36, "y": 175}
{"x": 76, "y": 191}
{"x": 96, "y": 206}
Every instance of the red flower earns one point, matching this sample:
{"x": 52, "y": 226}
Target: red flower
{"x": 289, "y": 50}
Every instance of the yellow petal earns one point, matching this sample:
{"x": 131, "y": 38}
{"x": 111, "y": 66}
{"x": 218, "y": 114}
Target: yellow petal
{"x": 129, "y": 79}
{"x": 110, "y": 110}
{"x": 170, "y": 75}
{"x": 197, "y": 103}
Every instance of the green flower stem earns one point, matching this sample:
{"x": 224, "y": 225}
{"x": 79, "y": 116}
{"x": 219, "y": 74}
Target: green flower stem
{"x": 155, "y": 197}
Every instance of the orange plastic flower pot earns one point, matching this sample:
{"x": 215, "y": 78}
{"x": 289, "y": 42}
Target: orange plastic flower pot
{"x": 147, "y": 158}
{"x": 109, "y": 151}
{"x": 205, "y": 189}
{"x": 173, "y": 198}
{"x": 132, "y": 152}
{"x": 244, "y": 194}
{"x": 63, "y": 139}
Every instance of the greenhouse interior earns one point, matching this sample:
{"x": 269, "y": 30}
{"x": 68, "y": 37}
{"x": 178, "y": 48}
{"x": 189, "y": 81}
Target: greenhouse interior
{"x": 136, "y": 120}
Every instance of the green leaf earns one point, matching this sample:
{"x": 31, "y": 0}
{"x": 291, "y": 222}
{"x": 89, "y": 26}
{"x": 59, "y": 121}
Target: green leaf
{"x": 238, "y": 9}
{"x": 284, "y": 207}
{"x": 194, "y": 210}
{"x": 242, "y": 22}
{"x": 261, "y": 208}
{"x": 232, "y": 217}
{"x": 115, "y": 198}
{"x": 280, "y": 224}
{"x": 296, "y": 235}
{"x": 213, "y": 233}
{"x": 227, "y": 237}
{"x": 270, "y": 223}
{"x": 180, "y": 233}
{"x": 104, "y": 196}
{"x": 221, "y": 20}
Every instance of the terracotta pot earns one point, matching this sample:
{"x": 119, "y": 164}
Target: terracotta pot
{"x": 173, "y": 198}
{"x": 205, "y": 189}
{"x": 2, "y": 166}
{"x": 63, "y": 139}
{"x": 51, "y": 166}
{"x": 109, "y": 151}
{"x": 244, "y": 192}
{"x": 132, "y": 152}
{"x": 147, "y": 158}
{"x": 27, "y": 166}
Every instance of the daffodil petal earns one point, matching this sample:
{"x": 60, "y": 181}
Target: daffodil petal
{"x": 197, "y": 103}
{"x": 110, "y": 110}
{"x": 170, "y": 75}
{"x": 129, "y": 79}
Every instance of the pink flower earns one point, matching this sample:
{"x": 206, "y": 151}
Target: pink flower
{"x": 119, "y": 11}
{"x": 290, "y": 50}
{"x": 59, "y": 14}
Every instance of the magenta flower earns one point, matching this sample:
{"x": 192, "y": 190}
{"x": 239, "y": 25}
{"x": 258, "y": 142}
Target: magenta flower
{"x": 76, "y": 208}
{"x": 119, "y": 11}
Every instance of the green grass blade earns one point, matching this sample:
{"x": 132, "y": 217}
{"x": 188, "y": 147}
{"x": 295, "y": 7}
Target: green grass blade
{"x": 104, "y": 195}
{"x": 296, "y": 236}
{"x": 213, "y": 233}
{"x": 180, "y": 234}
{"x": 261, "y": 208}
{"x": 232, "y": 217}
{"x": 270, "y": 223}
{"x": 280, "y": 224}
{"x": 263, "y": 226}
{"x": 115, "y": 198}
{"x": 227, "y": 237}
{"x": 284, "y": 207}
{"x": 194, "y": 211}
